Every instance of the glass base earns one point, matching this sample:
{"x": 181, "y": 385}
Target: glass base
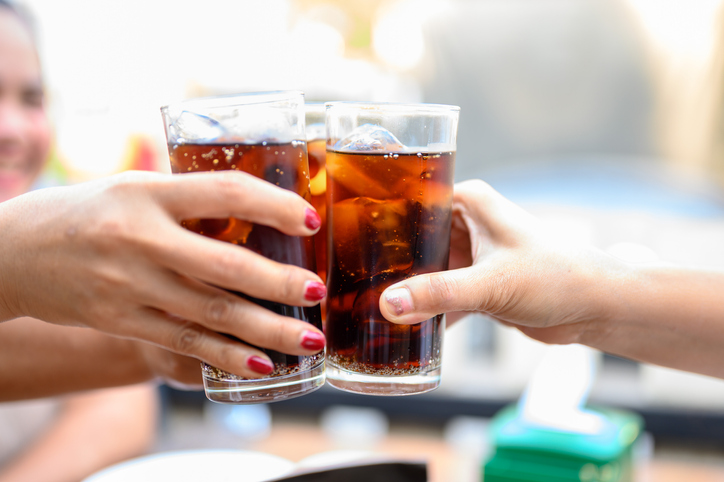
{"x": 266, "y": 389}
{"x": 365, "y": 384}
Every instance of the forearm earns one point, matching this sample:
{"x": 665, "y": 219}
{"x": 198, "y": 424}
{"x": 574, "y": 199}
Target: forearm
{"x": 38, "y": 359}
{"x": 667, "y": 316}
{"x": 62, "y": 454}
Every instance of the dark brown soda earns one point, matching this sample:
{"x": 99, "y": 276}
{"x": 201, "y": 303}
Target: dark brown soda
{"x": 389, "y": 219}
{"x": 286, "y": 166}
{"x": 317, "y": 173}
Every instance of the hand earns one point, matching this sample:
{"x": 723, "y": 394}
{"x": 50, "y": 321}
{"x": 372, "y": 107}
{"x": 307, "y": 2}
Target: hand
{"x": 505, "y": 264}
{"x": 111, "y": 255}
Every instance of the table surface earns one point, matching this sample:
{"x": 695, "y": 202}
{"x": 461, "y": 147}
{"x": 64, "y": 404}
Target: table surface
{"x": 447, "y": 465}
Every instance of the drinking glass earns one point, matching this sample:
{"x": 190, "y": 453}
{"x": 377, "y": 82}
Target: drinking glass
{"x": 261, "y": 133}
{"x": 389, "y": 199}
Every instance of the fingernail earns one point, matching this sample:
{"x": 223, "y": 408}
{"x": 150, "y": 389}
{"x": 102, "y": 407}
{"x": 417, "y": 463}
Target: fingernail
{"x": 398, "y": 301}
{"x": 313, "y": 341}
{"x": 260, "y": 365}
{"x": 315, "y": 291}
{"x": 312, "y": 219}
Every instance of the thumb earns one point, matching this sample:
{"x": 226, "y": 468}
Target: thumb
{"x": 421, "y": 297}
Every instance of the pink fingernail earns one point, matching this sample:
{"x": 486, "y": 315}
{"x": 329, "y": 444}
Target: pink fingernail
{"x": 260, "y": 365}
{"x": 398, "y": 301}
{"x": 312, "y": 219}
{"x": 315, "y": 291}
{"x": 313, "y": 341}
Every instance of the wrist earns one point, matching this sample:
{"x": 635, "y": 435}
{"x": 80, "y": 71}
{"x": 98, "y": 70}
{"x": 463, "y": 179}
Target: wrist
{"x": 610, "y": 283}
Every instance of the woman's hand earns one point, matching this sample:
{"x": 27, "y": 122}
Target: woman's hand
{"x": 111, "y": 255}
{"x": 510, "y": 267}
{"x": 506, "y": 264}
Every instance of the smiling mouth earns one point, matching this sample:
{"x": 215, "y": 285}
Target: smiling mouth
{"x": 11, "y": 170}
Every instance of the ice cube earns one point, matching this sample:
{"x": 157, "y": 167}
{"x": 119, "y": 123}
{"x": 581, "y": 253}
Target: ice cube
{"x": 191, "y": 127}
{"x": 430, "y": 194}
{"x": 259, "y": 123}
{"x": 369, "y": 138}
{"x": 371, "y": 237}
{"x": 343, "y": 170}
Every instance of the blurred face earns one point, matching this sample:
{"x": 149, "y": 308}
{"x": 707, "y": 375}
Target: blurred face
{"x": 24, "y": 126}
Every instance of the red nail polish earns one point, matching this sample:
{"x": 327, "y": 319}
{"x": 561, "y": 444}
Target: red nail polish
{"x": 260, "y": 365}
{"x": 315, "y": 291}
{"x": 313, "y": 341}
{"x": 312, "y": 219}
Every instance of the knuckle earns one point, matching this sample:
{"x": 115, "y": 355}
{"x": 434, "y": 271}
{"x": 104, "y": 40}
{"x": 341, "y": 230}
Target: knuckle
{"x": 501, "y": 295}
{"x": 112, "y": 284}
{"x": 475, "y": 184}
{"x": 283, "y": 334}
{"x": 227, "y": 264}
{"x": 286, "y": 289}
{"x": 474, "y": 188}
{"x": 277, "y": 334}
{"x": 112, "y": 229}
{"x": 225, "y": 355}
{"x": 217, "y": 311}
{"x": 131, "y": 177}
{"x": 441, "y": 289}
{"x": 187, "y": 338}
{"x": 126, "y": 183}
{"x": 108, "y": 315}
{"x": 227, "y": 185}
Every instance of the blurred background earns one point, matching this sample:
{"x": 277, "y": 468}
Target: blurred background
{"x": 603, "y": 117}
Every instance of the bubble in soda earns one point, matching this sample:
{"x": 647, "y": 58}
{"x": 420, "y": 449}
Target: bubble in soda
{"x": 369, "y": 138}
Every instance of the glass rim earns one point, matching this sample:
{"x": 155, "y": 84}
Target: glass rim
{"x": 236, "y": 99}
{"x": 402, "y": 107}
{"x": 315, "y": 106}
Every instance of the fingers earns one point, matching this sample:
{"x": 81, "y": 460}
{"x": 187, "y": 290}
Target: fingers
{"x": 421, "y": 297}
{"x": 495, "y": 226}
{"x": 240, "y": 195}
{"x": 489, "y": 214}
{"x": 192, "y": 339}
{"x": 244, "y": 196}
{"x": 237, "y": 269}
{"x": 224, "y": 312}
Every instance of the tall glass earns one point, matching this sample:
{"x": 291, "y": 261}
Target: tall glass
{"x": 389, "y": 199}
{"x": 262, "y": 134}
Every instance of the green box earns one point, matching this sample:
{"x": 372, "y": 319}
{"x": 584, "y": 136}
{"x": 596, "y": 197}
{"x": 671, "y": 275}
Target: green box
{"x": 527, "y": 453}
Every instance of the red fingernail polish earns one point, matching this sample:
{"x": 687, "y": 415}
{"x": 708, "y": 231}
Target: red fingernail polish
{"x": 312, "y": 219}
{"x": 313, "y": 341}
{"x": 260, "y": 365}
{"x": 315, "y": 291}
